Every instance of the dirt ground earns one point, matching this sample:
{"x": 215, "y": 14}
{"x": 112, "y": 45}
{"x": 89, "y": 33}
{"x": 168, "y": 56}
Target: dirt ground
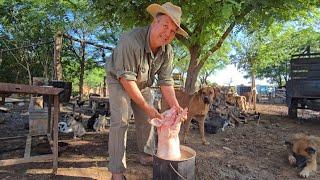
{"x": 250, "y": 151}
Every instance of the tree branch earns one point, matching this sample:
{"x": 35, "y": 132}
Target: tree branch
{"x": 225, "y": 35}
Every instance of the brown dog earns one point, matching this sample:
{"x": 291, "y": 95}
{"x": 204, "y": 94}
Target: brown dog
{"x": 303, "y": 153}
{"x": 198, "y": 107}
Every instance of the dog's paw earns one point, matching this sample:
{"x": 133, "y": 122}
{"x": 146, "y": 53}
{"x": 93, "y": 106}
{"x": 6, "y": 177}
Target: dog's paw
{"x": 304, "y": 173}
{"x": 292, "y": 160}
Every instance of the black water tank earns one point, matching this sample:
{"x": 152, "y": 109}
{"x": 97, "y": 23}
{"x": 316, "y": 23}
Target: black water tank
{"x": 65, "y": 94}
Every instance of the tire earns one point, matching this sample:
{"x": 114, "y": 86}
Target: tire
{"x": 293, "y": 109}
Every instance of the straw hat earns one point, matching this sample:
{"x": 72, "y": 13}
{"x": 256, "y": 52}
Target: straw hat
{"x": 173, "y": 11}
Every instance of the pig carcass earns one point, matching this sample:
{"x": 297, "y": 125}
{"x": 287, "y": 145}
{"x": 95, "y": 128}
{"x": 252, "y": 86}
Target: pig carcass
{"x": 168, "y": 133}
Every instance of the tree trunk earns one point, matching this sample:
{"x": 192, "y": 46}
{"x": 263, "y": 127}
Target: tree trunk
{"x": 254, "y": 90}
{"x": 82, "y": 62}
{"x": 57, "y": 57}
{"x": 193, "y": 70}
{"x": 280, "y": 81}
{"x": 29, "y": 74}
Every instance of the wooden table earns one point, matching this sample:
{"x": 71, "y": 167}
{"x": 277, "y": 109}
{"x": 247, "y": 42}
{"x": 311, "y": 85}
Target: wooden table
{"x": 53, "y": 126}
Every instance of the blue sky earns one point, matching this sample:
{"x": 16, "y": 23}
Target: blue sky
{"x": 231, "y": 75}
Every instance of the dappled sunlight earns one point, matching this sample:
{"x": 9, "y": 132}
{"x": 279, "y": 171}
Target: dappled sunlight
{"x": 89, "y": 172}
{"x": 76, "y": 158}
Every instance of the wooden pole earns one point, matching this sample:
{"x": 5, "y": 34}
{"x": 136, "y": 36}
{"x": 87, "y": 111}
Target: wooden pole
{"x": 57, "y": 57}
{"x": 82, "y": 67}
{"x": 87, "y": 42}
{"x": 55, "y": 133}
{"x": 104, "y": 89}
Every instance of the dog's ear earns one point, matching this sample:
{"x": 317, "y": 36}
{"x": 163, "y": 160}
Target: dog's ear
{"x": 199, "y": 92}
{"x": 310, "y": 150}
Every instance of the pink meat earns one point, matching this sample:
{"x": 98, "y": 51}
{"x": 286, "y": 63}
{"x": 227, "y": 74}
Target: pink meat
{"x": 168, "y": 133}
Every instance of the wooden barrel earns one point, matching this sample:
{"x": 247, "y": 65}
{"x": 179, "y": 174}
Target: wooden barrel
{"x": 175, "y": 170}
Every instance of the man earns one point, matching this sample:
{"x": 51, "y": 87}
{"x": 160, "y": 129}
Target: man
{"x": 141, "y": 54}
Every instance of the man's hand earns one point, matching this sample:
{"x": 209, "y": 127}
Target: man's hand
{"x": 178, "y": 108}
{"x": 170, "y": 97}
{"x": 179, "y": 111}
{"x": 152, "y": 112}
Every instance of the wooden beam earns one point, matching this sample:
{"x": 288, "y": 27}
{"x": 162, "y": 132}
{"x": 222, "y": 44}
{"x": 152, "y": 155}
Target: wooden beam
{"x": 86, "y": 42}
{"x": 50, "y": 117}
{"x": 40, "y": 158}
{"x": 14, "y": 137}
{"x": 21, "y": 88}
{"x": 55, "y": 133}
{"x": 27, "y": 149}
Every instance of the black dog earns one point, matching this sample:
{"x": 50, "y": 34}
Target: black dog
{"x": 92, "y": 120}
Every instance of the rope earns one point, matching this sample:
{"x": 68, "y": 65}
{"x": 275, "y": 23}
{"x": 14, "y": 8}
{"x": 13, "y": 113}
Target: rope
{"x": 177, "y": 172}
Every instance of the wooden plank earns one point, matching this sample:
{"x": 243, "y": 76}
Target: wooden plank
{"x": 14, "y": 137}
{"x": 49, "y": 115}
{"x": 21, "y": 88}
{"x": 27, "y": 149}
{"x": 40, "y": 158}
{"x": 38, "y": 121}
{"x": 55, "y": 132}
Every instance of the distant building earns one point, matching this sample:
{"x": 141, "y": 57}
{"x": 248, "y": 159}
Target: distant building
{"x": 261, "y": 89}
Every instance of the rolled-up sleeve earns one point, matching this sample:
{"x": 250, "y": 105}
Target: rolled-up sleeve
{"x": 124, "y": 60}
{"x": 164, "y": 75}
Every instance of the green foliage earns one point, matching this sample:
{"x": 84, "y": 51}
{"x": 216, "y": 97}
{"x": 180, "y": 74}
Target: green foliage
{"x": 207, "y": 22}
{"x": 266, "y": 38}
{"x": 267, "y": 51}
{"x": 95, "y": 77}
{"x": 32, "y": 21}
{"x": 27, "y": 23}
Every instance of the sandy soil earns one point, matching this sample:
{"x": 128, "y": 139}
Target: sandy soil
{"x": 250, "y": 151}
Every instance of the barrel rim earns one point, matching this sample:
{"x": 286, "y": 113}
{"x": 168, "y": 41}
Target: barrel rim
{"x": 182, "y": 147}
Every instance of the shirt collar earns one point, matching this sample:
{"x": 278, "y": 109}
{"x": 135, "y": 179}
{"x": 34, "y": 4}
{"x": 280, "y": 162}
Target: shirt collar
{"x": 147, "y": 47}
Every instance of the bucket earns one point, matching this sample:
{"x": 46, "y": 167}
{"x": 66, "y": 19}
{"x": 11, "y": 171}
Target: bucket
{"x": 175, "y": 170}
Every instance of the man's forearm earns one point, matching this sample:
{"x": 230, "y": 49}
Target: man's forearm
{"x": 169, "y": 95}
{"x": 134, "y": 92}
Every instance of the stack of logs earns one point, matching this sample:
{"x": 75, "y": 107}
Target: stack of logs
{"x": 234, "y": 107}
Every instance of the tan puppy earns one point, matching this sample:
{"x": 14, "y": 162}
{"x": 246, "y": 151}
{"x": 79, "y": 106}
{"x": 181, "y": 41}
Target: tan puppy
{"x": 249, "y": 98}
{"x": 236, "y": 100}
{"x": 303, "y": 153}
{"x": 198, "y": 107}
{"x": 241, "y": 102}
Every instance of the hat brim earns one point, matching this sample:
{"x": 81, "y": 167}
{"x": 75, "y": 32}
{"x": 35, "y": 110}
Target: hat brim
{"x": 154, "y": 9}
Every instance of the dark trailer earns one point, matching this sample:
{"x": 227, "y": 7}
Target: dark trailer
{"x": 303, "y": 87}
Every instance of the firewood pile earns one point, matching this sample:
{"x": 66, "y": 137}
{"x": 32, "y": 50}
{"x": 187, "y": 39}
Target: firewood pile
{"x": 228, "y": 109}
